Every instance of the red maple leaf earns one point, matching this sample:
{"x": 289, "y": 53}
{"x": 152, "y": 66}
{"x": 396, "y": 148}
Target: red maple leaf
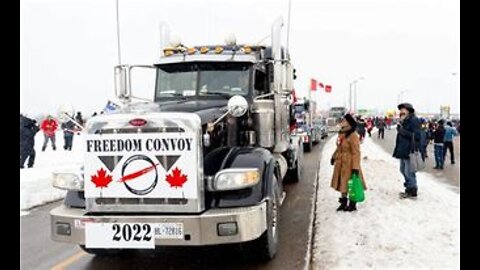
{"x": 101, "y": 179}
{"x": 176, "y": 178}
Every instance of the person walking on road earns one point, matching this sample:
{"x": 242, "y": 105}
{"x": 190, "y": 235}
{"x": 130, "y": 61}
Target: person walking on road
{"x": 438, "y": 137}
{"x": 450, "y": 132}
{"x": 68, "y": 133}
{"x": 49, "y": 126}
{"x": 346, "y": 160}
{"x": 408, "y": 127}
{"x": 28, "y": 129}
{"x": 361, "y": 128}
{"x": 388, "y": 121}
{"x": 426, "y": 135}
{"x": 369, "y": 127}
{"x": 381, "y": 128}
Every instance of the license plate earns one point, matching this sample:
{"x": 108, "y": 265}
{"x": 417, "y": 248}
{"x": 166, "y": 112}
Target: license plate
{"x": 169, "y": 231}
{"x": 119, "y": 235}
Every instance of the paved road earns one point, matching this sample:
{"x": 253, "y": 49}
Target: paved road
{"x": 39, "y": 252}
{"x": 450, "y": 174}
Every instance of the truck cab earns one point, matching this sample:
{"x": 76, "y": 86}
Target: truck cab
{"x": 305, "y": 129}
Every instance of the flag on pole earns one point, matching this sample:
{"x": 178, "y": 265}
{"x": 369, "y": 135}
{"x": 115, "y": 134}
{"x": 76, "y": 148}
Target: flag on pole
{"x": 313, "y": 85}
{"x": 321, "y": 85}
{"x": 328, "y": 88}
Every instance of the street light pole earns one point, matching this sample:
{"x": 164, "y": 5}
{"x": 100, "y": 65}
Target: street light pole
{"x": 399, "y": 100}
{"x": 355, "y": 96}
{"x": 350, "y": 98}
{"x": 455, "y": 76}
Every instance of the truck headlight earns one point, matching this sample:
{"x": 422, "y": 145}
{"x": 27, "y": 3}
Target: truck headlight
{"x": 67, "y": 181}
{"x": 232, "y": 179}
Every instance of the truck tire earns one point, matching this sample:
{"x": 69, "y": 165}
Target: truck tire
{"x": 265, "y": 248}
{"x": 295, "y": 174}
{"x": 102, "y": 252}
{"x": 308, "y": 146}
{"x": 316, "y": 139}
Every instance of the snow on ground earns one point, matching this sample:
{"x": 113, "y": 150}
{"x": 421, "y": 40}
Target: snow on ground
{"x": 36, "y": 183}
{"x": 386, "y": 232}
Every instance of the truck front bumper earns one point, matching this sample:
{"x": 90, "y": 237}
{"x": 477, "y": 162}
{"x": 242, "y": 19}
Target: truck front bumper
{"x": 68, "y": 225}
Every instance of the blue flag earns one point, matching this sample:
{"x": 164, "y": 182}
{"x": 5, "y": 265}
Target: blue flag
{"x": 110, "y": 107}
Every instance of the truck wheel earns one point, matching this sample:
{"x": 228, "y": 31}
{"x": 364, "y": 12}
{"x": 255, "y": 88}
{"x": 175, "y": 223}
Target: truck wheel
{"x": 295, "y": 174}
{"x": 308, "y": 146}
{"x": 317, "y": 139}
{"x": 101, "y": 252}
{"x": 265, "y": 247}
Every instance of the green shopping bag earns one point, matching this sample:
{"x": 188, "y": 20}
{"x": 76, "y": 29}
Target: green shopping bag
{"x": 355, "y": 189}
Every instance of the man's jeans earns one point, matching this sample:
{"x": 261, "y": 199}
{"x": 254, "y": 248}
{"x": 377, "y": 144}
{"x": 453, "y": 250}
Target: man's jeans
{"x": 47, "y": 138}
{"x": 68, "y": 142}
{"x": 448, "y": 146}
{"x": 439, "y": 159}
{"x": 410, "y": 178}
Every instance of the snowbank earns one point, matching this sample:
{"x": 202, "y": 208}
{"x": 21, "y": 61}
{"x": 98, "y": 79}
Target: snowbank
{"x": 36, "y": 183}
{"x": 386, "y": 232}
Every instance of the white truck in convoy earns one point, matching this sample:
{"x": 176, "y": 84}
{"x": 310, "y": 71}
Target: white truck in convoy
{"x": 335, "y": 115}
{"x": 202, "y": 164}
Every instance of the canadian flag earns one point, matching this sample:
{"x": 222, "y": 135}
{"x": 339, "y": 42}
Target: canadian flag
{"x": 313, "y": 84}
{"x": 328, "y": 88}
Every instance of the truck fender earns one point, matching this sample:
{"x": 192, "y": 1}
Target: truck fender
{"x": 242, "y": 157}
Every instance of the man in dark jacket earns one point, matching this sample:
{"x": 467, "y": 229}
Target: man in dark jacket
{"x": 381, "y": 128}
{"x": 361, "y": 128}
{"x": 68, "y": 132}
{"x": 408, "y": 127}
{"x": 438, "y": 136}
{"x": 28, "y": 129}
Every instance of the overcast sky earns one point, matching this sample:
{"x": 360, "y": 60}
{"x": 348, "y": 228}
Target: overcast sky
{"x": 68, "y": 47}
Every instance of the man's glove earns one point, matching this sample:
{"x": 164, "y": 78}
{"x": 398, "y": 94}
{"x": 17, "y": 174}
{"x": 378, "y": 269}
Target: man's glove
{"x": 332, "y": 161}
{"x": 355, "y": 171}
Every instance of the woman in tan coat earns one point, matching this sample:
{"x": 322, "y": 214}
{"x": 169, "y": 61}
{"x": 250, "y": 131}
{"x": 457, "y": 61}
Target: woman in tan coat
{"x": 346, "y": 159}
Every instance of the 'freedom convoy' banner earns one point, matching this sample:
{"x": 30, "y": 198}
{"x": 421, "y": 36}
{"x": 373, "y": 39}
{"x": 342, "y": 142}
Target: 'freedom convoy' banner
{"x": 141, "y": 165}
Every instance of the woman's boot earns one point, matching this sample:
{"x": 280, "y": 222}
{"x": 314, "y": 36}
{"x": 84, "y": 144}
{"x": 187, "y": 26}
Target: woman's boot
{"x": 343, "y": 204}
{"x": 351, "y": 207}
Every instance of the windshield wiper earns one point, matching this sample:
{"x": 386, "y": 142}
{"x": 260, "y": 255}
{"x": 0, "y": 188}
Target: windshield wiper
{"x": 171, "y": 94}
{"x": 226, "y": 95}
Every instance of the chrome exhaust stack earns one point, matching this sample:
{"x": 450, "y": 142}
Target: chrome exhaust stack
{"x": 280, "y": 141}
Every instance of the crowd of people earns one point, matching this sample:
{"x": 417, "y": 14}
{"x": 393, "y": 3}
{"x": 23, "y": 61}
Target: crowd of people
{"x": 441, "y": 135}
{"x": 49, "y": 127}
{"x": 366, "y": 126}
{"x": 414, "y": 134}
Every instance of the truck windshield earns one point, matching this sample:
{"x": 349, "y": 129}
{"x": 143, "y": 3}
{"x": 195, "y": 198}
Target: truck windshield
{"x": 299, "y": 108}
{"x": 202, "y": 79}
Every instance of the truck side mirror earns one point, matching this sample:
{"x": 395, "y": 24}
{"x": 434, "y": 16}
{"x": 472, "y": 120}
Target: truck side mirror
{"x": 237, "y": 106}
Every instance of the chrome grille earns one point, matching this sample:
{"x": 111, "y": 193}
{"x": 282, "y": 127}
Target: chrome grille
{"x": 135, "y": 201}
{"x": 156, "y": 123}
{"x": 139, "y": 130}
